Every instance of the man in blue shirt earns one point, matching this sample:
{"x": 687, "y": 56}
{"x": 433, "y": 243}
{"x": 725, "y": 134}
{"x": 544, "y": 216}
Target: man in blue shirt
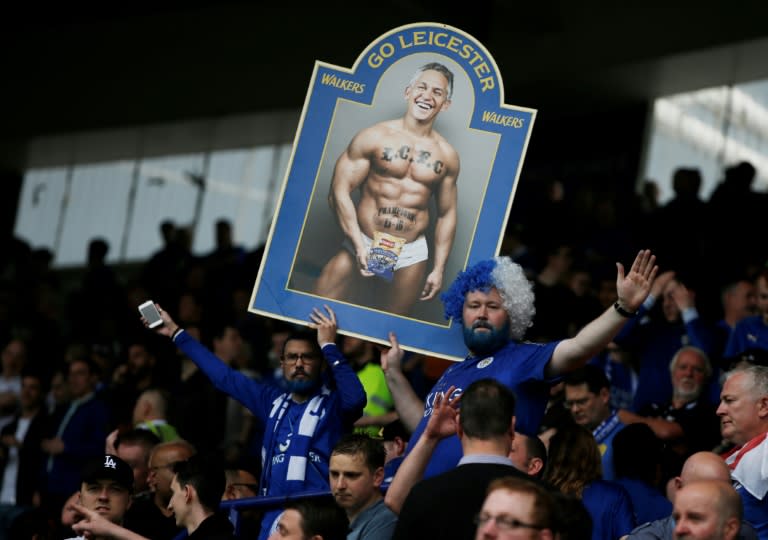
{"x": 494, "y": 302}
{"x": 752, "y": 332}
{"x": 301, "y": 425}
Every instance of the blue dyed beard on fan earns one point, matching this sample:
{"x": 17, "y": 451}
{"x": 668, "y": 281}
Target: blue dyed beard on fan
{"x": 303, "y": 387}
{"x": 485, "y": 343}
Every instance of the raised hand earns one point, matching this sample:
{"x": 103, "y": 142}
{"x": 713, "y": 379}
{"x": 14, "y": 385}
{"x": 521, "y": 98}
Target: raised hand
{"x": 633, "y": 288}
{"x": 683, "y": 297}
{"x": 325, "y": 324}
{"x": 444, "y": 420}
{"x": 392, "y": 358}
{"x": 661, "y": 282}
{"x": 167, "y": 328}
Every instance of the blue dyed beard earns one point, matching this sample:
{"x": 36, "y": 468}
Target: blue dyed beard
{"x": 302, "y": 388}
{"x": 485, "y": 343}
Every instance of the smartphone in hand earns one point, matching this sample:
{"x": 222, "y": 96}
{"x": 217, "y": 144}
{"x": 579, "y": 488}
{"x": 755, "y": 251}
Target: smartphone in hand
{"x": 149, "y": 311}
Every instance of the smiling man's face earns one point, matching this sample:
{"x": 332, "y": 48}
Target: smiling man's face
{"x": 428, "y": 95}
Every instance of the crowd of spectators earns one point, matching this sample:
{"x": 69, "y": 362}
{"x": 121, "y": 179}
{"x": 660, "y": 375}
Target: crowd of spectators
{"x": 81, "y": 375}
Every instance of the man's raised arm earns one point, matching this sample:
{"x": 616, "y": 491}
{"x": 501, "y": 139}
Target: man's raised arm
{"x": 407, "y": 404}
{"x": 442, "y": 423}
{"x": 445, "y": 228}
{"x": 350, "y": 172}
{"x": 632, "y": 291}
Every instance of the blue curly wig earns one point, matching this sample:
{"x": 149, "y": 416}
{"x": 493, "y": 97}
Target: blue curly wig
{"x": 508, "y": 278}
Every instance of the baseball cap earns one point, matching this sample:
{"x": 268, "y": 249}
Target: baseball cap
{"x": 108, "y": 468}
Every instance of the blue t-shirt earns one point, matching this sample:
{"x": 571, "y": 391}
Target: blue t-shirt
{"x": 648, "y": 502}
{"x": 611, "y": 509}
{"x": 520, "y": 367}
{"x": 749, "y": 333}
{"x": 298, "y": 437}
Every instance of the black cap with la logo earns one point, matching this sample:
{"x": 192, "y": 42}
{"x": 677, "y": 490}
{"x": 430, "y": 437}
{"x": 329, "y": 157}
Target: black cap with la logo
{"x": 108, "y": 468}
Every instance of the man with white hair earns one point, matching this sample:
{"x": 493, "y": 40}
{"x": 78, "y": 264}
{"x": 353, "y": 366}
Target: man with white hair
{"x": 743, "y": 413}
{"x": 686, "y": 423}
{"x": 494, "y": 302}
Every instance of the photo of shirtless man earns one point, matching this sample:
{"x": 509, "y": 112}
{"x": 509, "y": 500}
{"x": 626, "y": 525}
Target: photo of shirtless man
{"x": 397, "y": 166}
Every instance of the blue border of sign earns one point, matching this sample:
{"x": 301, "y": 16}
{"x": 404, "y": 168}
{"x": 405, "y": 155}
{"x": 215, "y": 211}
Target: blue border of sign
{"x": 512, "y": 125}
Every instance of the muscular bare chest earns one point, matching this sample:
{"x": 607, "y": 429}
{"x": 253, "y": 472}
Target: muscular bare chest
{"x": 401, "y": 158}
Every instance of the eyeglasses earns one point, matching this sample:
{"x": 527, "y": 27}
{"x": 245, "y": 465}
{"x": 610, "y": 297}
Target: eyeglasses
{"x": 505, "y": 523}
{"x": 292, "y": 358}
{"x": 569, "y": 403}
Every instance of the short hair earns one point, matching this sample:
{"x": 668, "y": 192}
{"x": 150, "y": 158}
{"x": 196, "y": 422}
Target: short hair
{"x": 732, "y": 284}
{"x": 159, "y": 398}
{"x": 395, "y": 428}
{"x": 731, "y": 504}
{"x": 756, "y": 375}
{"x": 728, "y": 503}
{"x": 686, "y": 181}
{"x": 543, "y": 502}
{"x": 763, "y": 274}
{"x": 145, "y": 341}
{"x": 35, "y": 373}
{"x": 138, "y": 437}
{"x": 593, "y": 376}
{"x": 98, "y": 248}
{"x": 244, "y": 463}
{"x": 207, "y": 477}
{"x": 310, "y": 336}
{"x": 180, "y": 444}
{"x": 743, "y": 171}
{"x": 217, "y": 328}
{"x": 699, "y": 352}
{"x": 440, "y": 68}
{"x": 93, "y": 368}
{"x": 371, "y": 449}
{"x": 508, "y": 278}
{"x": 535, "y": 448}
{"x": 487, "y": 409}
{"x": 321, "y": 516}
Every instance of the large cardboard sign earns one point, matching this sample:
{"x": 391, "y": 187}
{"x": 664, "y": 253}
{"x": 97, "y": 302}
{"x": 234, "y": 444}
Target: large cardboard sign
{"x": 403, "y": 173}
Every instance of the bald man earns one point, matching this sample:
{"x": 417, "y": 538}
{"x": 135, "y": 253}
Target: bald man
{"x": 699, "y": 467}
{"x": 150, "y": 413}
{"x": 707, "y": 510}
{"x": 150, "y": 517}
